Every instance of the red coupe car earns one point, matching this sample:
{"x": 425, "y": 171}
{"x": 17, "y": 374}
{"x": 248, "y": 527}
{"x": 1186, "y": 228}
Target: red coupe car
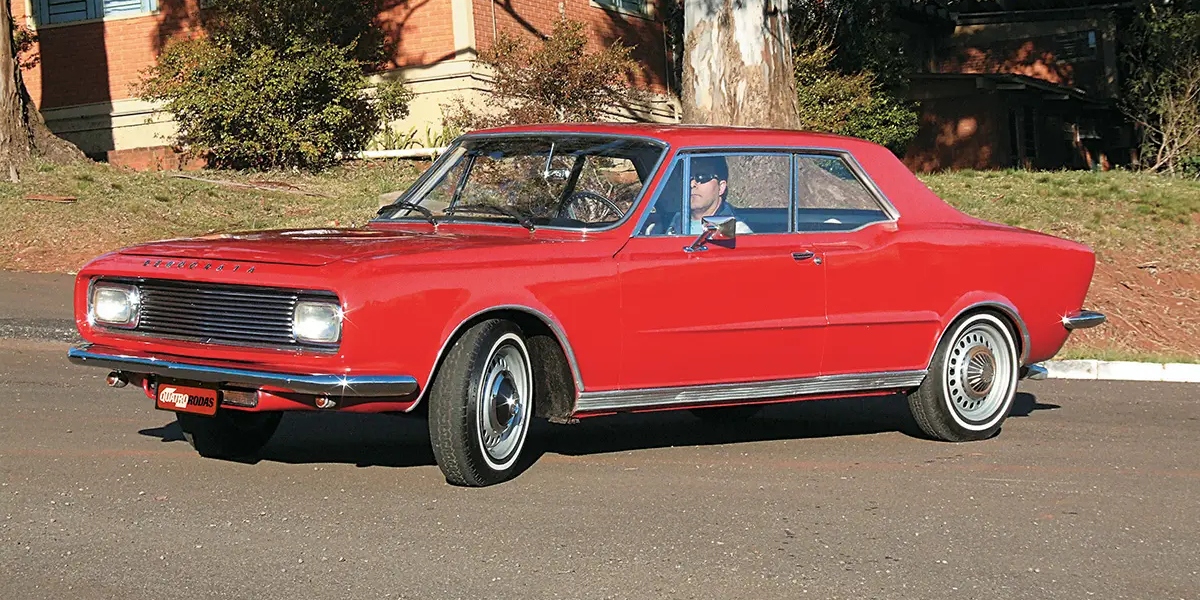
{"x": 569, "y": 271}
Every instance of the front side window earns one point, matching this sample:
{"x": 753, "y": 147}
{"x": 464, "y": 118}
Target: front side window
{"x": 65, "y": 11}
{"x": 545, "y": 180}
{"x": 831, "y": 197}
{"x": 754, "y": 188}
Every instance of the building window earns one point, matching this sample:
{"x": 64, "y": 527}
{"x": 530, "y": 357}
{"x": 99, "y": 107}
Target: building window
{"x": 637, "y": 8}
{"x": 51, "y": 12}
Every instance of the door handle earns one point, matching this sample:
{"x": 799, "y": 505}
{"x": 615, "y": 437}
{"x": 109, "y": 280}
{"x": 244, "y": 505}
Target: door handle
{"x": 803, "y": 256}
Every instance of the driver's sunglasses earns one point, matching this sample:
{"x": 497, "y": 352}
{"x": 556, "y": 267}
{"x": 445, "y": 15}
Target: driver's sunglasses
{"x": 702, "y": 178}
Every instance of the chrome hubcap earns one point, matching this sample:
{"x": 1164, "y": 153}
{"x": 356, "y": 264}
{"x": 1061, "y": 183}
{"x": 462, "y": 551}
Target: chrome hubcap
{"x": 503, "y": 405}
{"x": 978, "y": 370}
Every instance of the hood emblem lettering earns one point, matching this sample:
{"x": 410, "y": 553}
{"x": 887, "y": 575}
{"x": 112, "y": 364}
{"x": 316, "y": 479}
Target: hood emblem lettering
{"x": 183, "y": 264}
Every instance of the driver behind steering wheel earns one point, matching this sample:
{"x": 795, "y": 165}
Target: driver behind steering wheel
{"x": 709, "y": 187}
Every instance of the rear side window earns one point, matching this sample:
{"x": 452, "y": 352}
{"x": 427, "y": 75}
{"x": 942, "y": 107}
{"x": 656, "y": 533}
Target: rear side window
{"x": 831, "y": 197}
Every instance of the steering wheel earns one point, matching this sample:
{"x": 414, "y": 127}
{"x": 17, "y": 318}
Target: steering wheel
{"x": 569, "y": 210}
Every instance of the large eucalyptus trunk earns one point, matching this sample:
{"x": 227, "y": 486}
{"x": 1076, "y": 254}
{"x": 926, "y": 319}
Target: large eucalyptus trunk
{"x": 738, "y": 64}
{"x": 23, "y": 133}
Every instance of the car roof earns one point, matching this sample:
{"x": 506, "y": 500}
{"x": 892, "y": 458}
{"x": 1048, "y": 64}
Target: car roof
{"x": 913, "y": 200}
{"x": 694, "y": 135}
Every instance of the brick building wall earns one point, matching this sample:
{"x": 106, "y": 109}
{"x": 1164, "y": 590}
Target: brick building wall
{"x": 422, "y": 33}
{"x": 605, "y": 25}
{"x": 83, "y": 80}
{"x": 1078, "y": 52}
{"x": 97, "y": 61}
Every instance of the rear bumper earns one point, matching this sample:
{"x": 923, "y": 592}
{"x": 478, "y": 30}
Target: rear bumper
{"x": 1083, "y": 319}
{"x": 314, "y": 384}
{"x": 1034, "y": 372}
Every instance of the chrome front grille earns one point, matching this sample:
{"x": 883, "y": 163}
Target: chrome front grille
{"x": 221, "y": 314}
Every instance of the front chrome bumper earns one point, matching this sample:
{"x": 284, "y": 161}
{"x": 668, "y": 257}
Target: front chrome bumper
{"x": 318, "y": 384}
{"x": 1083, "y": 319}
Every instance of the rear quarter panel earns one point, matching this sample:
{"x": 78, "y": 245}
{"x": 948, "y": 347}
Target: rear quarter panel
{"x": 963, "y": 265}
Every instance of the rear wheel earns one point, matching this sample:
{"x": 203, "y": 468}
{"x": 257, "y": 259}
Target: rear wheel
{"x": 229, "y": 434}
{"x": 971, "y": 383}
{"x": 480, "y": 405}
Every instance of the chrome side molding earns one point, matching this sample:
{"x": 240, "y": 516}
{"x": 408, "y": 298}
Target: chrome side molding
{"x": 320, "y": 385}
{"x": 726, "y": 392}
{"x": 1083, "y": 319}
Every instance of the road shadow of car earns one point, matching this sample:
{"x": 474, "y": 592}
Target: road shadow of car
{"x": 403, "y": 441}
{"x": 786, "y": 421}
{"x": 358, "y": 439}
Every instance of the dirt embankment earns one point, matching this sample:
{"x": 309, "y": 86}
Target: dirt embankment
{"x": 1152, "y": 307}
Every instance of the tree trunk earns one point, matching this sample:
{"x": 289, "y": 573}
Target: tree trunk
{"x": 23, "y": 133}
{"x": 738, "y": 64}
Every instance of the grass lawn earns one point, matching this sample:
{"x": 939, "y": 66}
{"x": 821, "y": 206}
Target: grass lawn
{"x": 1130, "y": 219}
{"x": 115, "y": 207}
{"x": 1111, "y": 212}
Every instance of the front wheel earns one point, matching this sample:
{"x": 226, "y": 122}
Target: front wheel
{"x": 480, "y": 405}
{"x": 229, "y": 434}
{"x": 971, "y": 383}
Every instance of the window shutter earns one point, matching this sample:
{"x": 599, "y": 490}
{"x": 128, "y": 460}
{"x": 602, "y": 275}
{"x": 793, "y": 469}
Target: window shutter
{"x": 61, "y": 11}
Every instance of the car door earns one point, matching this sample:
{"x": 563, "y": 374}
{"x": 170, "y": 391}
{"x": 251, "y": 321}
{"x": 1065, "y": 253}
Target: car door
{"x": 877, "y": 320}
{"x": 747, "y": 311}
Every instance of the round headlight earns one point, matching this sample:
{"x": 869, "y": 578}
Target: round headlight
{"x": 115, "y": 304}
{"x": 319, "y": 322}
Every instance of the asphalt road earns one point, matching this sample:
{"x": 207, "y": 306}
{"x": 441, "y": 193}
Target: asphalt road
{"x": 1090, "y": 491}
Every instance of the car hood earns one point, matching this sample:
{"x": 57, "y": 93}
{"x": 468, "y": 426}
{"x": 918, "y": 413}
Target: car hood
{"x": 314, "y": 247}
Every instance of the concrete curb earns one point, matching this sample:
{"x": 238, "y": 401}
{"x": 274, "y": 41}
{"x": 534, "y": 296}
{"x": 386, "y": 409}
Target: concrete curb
{"x": 1118, "y": 370}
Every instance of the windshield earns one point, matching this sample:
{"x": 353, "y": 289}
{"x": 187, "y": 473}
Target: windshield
{"x": 544, "y": 180}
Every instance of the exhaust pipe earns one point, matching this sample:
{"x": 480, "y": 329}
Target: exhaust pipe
{"x": 117, "y": 379}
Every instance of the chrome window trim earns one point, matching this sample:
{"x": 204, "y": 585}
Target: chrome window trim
{"x": 633, "y": 208}
{"x": 885, "y": 204}
{"x": 699, "y": 395}
{"x": 316, "y": 384}
{"x": 820, "y": 150}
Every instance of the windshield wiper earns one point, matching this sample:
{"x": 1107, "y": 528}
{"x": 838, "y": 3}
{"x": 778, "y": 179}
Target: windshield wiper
{"x": 425, "y": 212}
{"x": 525, "y": 221}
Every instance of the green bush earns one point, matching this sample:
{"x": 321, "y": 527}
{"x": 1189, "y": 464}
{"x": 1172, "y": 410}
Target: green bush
{"x": 557, "y": 79}
{"x": 852, "y": 70}
{"x": 851, "y": 104}
{"x": 1161, "y": 56}
{"x": 265, "y": 90}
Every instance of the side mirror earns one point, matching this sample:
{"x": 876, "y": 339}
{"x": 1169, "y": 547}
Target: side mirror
{"x": 715, "y": 228}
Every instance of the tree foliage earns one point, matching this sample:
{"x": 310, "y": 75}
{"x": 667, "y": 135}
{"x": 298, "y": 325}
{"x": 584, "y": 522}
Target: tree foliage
{"x": 554, "y": 79}
{"x": 853, "y": 104}
{"x": 1162, "y": 84}
{"x": 852, "y": 71}
{"x": 277, "y": 83}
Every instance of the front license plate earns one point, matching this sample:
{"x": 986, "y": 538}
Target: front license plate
{"x": 182, "y": 398}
